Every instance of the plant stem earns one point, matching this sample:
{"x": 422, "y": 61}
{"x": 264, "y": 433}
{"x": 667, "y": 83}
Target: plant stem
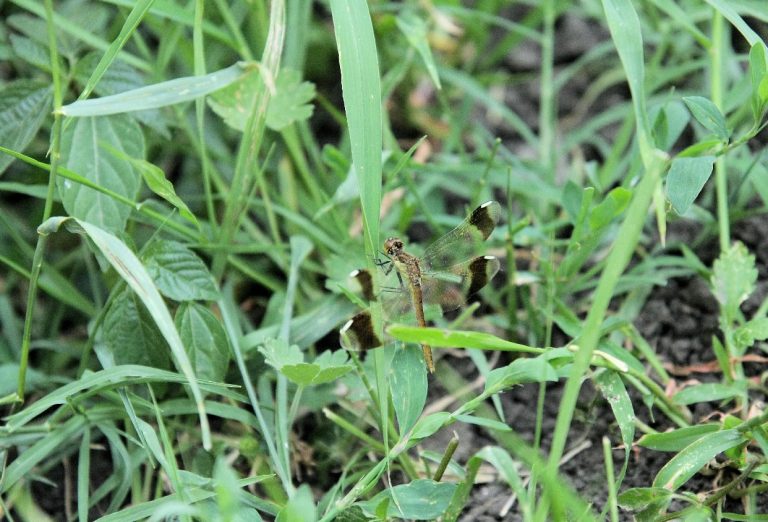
{"x": 37, "y": 258}
{"x": 716, "y": 90}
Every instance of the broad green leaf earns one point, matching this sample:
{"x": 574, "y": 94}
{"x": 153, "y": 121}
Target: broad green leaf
{"x": 415, "y": 31}
{"x": 130, "y": 269}
{"x": 179, "y": 273}
{"x": 611, "y": 207}
{"x": 289, "y": 102}
{"x": 131, "y": 335}
{"x": 299, "y": 507}
{"x": 708, "y": 115}
{"x": 678, "y": 439}
{"x": 81, "y": 153}
{"x": 289, "y": 360}
{"x": 24, "y": 105}
{"x": 685, "y": 180}
{"x": 421, "y": 499}
{"x": 690, "y": 460}
{"x": 733, "y": 278}
{"x": 204, "y": 338}
{"x": 158, "y": 95}
{"x": 408, "y": 380}
{"x": 712, "y": 391}
{"x": 518, "y": 372}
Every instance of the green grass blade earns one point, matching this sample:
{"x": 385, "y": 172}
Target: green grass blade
{"x": 83, "y": 472}
{"x": 361, "y": 87}
{"x": 727, "y": 10}
{"x": 41, "y": 450}
{"x": 131, "y": 23}
{"x": 625, "y": 32}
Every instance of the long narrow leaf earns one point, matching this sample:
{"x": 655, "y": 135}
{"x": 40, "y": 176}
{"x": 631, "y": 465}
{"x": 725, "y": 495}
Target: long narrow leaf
{"x": 158, "y": 95}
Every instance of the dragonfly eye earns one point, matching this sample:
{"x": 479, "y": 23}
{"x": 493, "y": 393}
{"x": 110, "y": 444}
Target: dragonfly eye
{"x": 393, "y": 246}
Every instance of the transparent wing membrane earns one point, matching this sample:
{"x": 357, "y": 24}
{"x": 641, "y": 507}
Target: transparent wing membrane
{"x": 448, "y": 278}
{"x": 465, "y": 240}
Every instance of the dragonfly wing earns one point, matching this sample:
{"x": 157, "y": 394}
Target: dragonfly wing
{"x": 358, "y": 333}
{"x": 452, "y": 287}
{"x": 396, "y": 303}
{"x": 463, "y": 241}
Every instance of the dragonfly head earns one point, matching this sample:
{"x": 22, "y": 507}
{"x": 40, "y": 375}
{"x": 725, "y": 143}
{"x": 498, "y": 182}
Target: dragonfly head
{"x": 393, "y": 246}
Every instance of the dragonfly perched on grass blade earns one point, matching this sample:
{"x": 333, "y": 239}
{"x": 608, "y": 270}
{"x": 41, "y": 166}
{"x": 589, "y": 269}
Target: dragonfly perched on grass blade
{"x": 446, "y": 274}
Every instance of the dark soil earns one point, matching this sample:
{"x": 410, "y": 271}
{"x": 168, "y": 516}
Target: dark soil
{"x": 679, "y": 320}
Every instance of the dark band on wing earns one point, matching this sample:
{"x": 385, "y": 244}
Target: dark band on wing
{"x": 358, "y": 333}
{"x": 485, "y": 217}
{"x": 481, "y": 271}
{"x": 365, "y": 280}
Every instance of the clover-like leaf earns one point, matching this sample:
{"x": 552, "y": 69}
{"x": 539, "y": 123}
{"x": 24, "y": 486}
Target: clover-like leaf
{"x": 289, "y": 102}
{"x": 289, "y": 360}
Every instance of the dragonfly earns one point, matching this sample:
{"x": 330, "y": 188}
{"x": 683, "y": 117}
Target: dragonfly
{"x": 447, "y": 274}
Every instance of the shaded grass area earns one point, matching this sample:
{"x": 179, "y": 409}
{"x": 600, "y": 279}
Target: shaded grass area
{"x": 186, "y": 189}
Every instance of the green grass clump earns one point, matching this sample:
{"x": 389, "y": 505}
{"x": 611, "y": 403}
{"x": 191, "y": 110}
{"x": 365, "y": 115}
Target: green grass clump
{"x": 186, "y": 186}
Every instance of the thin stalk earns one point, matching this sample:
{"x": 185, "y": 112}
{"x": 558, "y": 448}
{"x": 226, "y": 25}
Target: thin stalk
{"x": 612, "y": 501}
{"x": 547, "y": 152}
{"x": 199, "y": 53}
{"x": 716, "y": 90}
{"x": 234, "y": 28}
{"x": 449, "y": 451}
{"x": 37, "y": 258}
